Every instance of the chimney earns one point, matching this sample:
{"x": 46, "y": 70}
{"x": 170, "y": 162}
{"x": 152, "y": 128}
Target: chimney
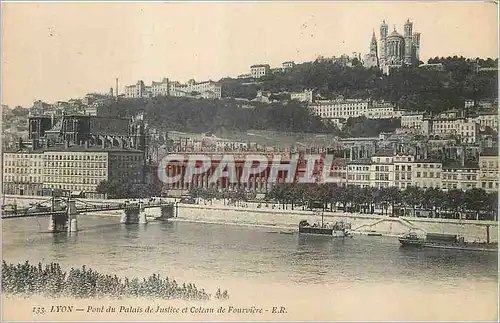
{"x": 34, "y": 144}
{"x": 116, "y": 88}
{"x": 103, "y": 142}
{"x": 86, "y": 144}
{"x": 66, "y": 144}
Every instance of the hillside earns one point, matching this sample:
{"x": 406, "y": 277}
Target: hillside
{"x": 14, "y": 124}
{"x": 416, "y": 89}
{"x": 197, "y": 115}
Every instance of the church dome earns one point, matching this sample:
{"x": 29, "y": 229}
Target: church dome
{"x": 395, "y": 34}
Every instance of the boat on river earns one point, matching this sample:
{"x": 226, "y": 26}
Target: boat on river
{"x": 337, "y": 229}
{"x": 444, "y": 241}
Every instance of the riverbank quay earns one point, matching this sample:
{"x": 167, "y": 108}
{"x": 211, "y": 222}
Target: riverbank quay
{"x": 471, "y": 230}
{"x": 272, "y": 216}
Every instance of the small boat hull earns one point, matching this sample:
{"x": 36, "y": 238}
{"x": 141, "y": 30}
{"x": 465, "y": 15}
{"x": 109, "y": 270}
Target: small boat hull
{"x": 411, "y": 242}
{"x": 322, "y": 232}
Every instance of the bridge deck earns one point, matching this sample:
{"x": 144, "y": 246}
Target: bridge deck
{"x": 24, "y": 213}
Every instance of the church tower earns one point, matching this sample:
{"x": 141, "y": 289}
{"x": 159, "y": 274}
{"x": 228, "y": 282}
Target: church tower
{"x": 371, "y": 59}
{"x": 373, "y": 46}
{"x": 416, "y": 47}
{"x": 408, "y": 43}
{"x": 384, "y": 29}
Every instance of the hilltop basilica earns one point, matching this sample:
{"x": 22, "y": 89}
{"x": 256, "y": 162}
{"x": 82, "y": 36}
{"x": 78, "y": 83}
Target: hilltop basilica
{"x": 395, "y": 50}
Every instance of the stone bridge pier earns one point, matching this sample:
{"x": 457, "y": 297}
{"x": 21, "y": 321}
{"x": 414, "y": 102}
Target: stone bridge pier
{"x": 67, "y": 221}
{"x": 134, "y": 213}
{"x": 58, "y": 222}
{"x": 167, "y": 212}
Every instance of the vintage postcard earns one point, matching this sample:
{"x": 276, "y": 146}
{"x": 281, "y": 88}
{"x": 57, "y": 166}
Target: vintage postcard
{"x": 249, "y": 161}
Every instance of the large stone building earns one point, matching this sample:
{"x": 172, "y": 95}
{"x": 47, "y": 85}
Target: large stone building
{"x": 403, "y": 171}
{"x": 462, "y": 176}
{"x": 23, "y": 172}
{"x": 75, "y": 153}
{"x": 427, "y": 173}
{"x": 137, "y": 90}
{"x": 449, "y": 124}
{"x": 259, "y": 70}
{"x": 486, "y": 118}
{"x": 488, "y": 169}
{"x": 396, "y": 50}
{"x": 351, "y": 108}
{"x": 75, "y": 168}
{"x": 382, "y": 169}
{"x": 358, "y": 173}
{"x": 206, "y": 90}
{"x": 304, "y": 96}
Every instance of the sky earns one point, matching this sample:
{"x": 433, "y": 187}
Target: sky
{"x": 58, "y": 51}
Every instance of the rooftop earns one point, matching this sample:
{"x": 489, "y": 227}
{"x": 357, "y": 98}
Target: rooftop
{"x": 384, "y": 153}
{"x": 457, "y": 165}
{"x": 428, "y": 160}
{"x": 75, "y": 148}
{"x": 363, "y": 161}
{"x": 260, "y": 65}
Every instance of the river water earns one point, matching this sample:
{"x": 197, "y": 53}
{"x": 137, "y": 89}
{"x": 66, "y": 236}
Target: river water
{"x": 315, "y": 278}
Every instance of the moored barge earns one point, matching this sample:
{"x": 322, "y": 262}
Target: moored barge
{"x": 338, "y": 229}
{"x": 445, "y": 241}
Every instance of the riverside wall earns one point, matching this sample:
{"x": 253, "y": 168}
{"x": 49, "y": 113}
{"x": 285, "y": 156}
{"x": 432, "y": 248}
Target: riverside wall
{"x": 471, "y": 230}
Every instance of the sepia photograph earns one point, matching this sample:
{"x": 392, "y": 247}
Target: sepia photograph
{"x": 278, "y": 161}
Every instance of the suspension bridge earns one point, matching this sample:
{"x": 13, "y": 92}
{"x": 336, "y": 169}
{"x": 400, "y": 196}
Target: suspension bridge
{"x": 63, "y": 211}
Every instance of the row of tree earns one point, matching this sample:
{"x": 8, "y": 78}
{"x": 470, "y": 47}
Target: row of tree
{"x": 432, "y": 202}
{"x": 125, "y": 188}
{"x": 472, "y": 204}
{"x": 475, "y": 203}
{"x": 211, "y": 193}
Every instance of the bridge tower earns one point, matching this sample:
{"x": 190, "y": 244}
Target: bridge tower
{"x": 142, "y": 214}
{"x": 72, "y": 223}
